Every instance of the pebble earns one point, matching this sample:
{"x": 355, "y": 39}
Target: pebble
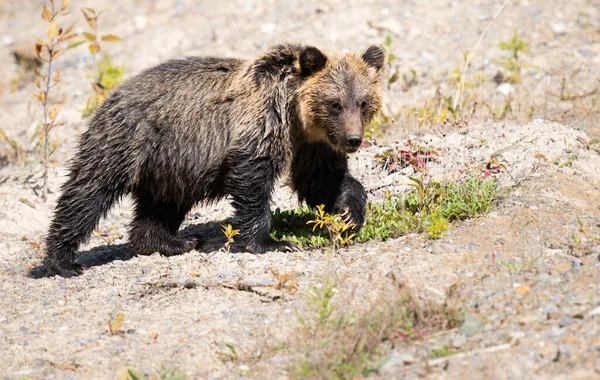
{"x": 551, "y": 311}
{"x": 459, "y": 340}
{"x": 505, "y": 89}
{"x": 559, "y": 28}
{"x": 564, "y": 352}
{"x": 471, "y": 325}
{"x": 594, "y": 312}
{"x": 394, "y": 363}
{"x": 565, "y": 321}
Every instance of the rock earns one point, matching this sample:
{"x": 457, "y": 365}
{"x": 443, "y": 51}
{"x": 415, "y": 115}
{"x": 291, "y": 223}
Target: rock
{"x": 564, "y": 353}
{"x": 471, "y": 325}
{"x": 565, "y": 321}
{"x": 551, "y": 311}
{"x": 268, "y": 27}
{"x": 458, "y": 340}
{"x": 505, "y": 89}
{"x": 140, "y": 22}
{"x": 576, "y": 264}
{"x": 394, "y": 363}
{"x": 559, "y": 28}
{"x": 594, "y": 312}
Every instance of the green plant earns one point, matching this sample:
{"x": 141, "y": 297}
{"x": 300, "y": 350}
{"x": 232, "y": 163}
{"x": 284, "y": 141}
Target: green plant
{"x": 512, "y": 64}
{"x": 338, "y": 226}
{"x": 437, "y": 227}
{"x": 585, "y": 239}
{"x": 230, "y": 355}
{"x": 430, "y": 207}
{"x": 229, "y": 233}
{"x": 48, "y": 51}
{"x": 348, "y": 342}
{"x": 165, "y": 373}
{"x": 107, "y": 75}
{"x": 115, "y": 320}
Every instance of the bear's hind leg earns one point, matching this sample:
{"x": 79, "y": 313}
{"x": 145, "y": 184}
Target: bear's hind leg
{"x": 155, "y": 226}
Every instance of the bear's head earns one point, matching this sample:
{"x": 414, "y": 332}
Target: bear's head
{"x": 339, "y": 95}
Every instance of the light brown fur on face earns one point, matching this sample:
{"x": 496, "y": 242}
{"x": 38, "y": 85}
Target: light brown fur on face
{"x": 339, "y": 100}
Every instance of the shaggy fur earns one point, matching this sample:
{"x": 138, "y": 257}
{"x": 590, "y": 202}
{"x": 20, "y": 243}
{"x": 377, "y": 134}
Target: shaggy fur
{"x": 205, "y": 128}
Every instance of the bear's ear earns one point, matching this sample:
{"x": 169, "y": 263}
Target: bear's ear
{"x": 374, "y": 56}
{"x": 311, "y": 60}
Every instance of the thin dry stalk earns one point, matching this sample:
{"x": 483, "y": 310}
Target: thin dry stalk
{"x": 470, "y": 55}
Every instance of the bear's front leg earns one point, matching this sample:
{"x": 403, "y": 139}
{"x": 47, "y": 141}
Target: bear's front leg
{"x": 351, "y": 201}
{"x": 320, "y": 177}
{"x": 250, "y": 186}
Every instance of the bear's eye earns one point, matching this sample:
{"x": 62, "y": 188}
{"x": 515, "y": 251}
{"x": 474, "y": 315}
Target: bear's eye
{"x": 363, "y": 105}
{"x": 336, "y": 107}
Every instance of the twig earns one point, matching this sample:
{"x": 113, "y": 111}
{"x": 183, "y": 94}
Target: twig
{"x": 487, "y": 350}
{"x": 470, "y": 56}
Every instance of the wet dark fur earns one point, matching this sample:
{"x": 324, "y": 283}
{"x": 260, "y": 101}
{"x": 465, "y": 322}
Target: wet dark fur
{"x": 195, "y": 129}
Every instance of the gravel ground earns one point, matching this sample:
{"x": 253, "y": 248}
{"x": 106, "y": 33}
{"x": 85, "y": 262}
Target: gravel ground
{"x": 531, "y": 295}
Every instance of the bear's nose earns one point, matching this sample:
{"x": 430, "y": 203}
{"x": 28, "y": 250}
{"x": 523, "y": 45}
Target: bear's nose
{"x": 354, "y": 140}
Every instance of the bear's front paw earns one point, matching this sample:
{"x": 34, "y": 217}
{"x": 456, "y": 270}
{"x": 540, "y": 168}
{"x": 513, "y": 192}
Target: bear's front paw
{"x": 66, "y": 269}
{"x": 271, "y": 245}
{"x": 351, "y": 204}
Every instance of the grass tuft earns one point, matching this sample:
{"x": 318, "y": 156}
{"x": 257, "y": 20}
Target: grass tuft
{"x": 429, "y": 208}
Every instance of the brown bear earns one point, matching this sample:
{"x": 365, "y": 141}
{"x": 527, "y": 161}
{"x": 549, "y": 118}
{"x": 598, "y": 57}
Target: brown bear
{"x": 206, "y": 128}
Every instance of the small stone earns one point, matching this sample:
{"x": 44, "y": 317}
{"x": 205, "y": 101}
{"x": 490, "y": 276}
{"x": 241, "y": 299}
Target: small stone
{"x": 564, "y": 352}
{"x": 505, "y": 89}
{"x": 597, "y": 364}
{"x": 576, "y": 264}
{"x": 594, "y": 312}
{"x": 140, "y": 22}
{"x": 471, "y": 325}
{"x": 523, "y": 289}
{"x": 551, "y": 311}
{"x": 559, "y": 28}
{"x": 394, "y": 363}
{"x": 268, "y": 27}
{"x": 565, "y": 321}
{"x": 458, "y": 340}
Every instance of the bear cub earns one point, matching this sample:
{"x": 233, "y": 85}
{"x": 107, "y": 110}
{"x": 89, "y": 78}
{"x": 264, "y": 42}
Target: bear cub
{"x": 203, "y": 128}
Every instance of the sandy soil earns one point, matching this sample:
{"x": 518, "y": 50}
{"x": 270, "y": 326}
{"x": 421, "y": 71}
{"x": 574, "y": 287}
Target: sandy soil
{"x": 528, "y": 271}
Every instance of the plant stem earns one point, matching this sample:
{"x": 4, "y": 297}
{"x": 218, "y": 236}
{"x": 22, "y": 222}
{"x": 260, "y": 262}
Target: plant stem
{"x": 469, "y": 58}
{"x": 46, "y": 124}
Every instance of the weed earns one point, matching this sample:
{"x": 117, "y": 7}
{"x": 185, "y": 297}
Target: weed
{"x": 165, "y": 373}
{"x": 430, "y": 207}
{"x": 519, "y": 266}
{"x": 443, "y": 352}
{"x": 338, "y": 227}
{"x": 585, "y": 239}
{"x": 437, "y": 227}
{"x": 229, "y": 233}
{"x": 107, "y": 76}
{"x": 115, "y": 320}
{"x": 287, "y": 281}
{"x": 230, "y": 355}
{"x": 512, "y": 64}
{"x": 48, "y": 51}
{"x": 346, "y": 343}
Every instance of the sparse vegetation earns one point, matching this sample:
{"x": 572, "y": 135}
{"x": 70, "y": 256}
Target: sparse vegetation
{"x": 48, "y": 51}
{"x": 229, "y": 233}
{"x": 107, "y": 75}
{"x": 165, "y": 373}
{"x": 337, "y": 342}
{"x": 428, "y": 208}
